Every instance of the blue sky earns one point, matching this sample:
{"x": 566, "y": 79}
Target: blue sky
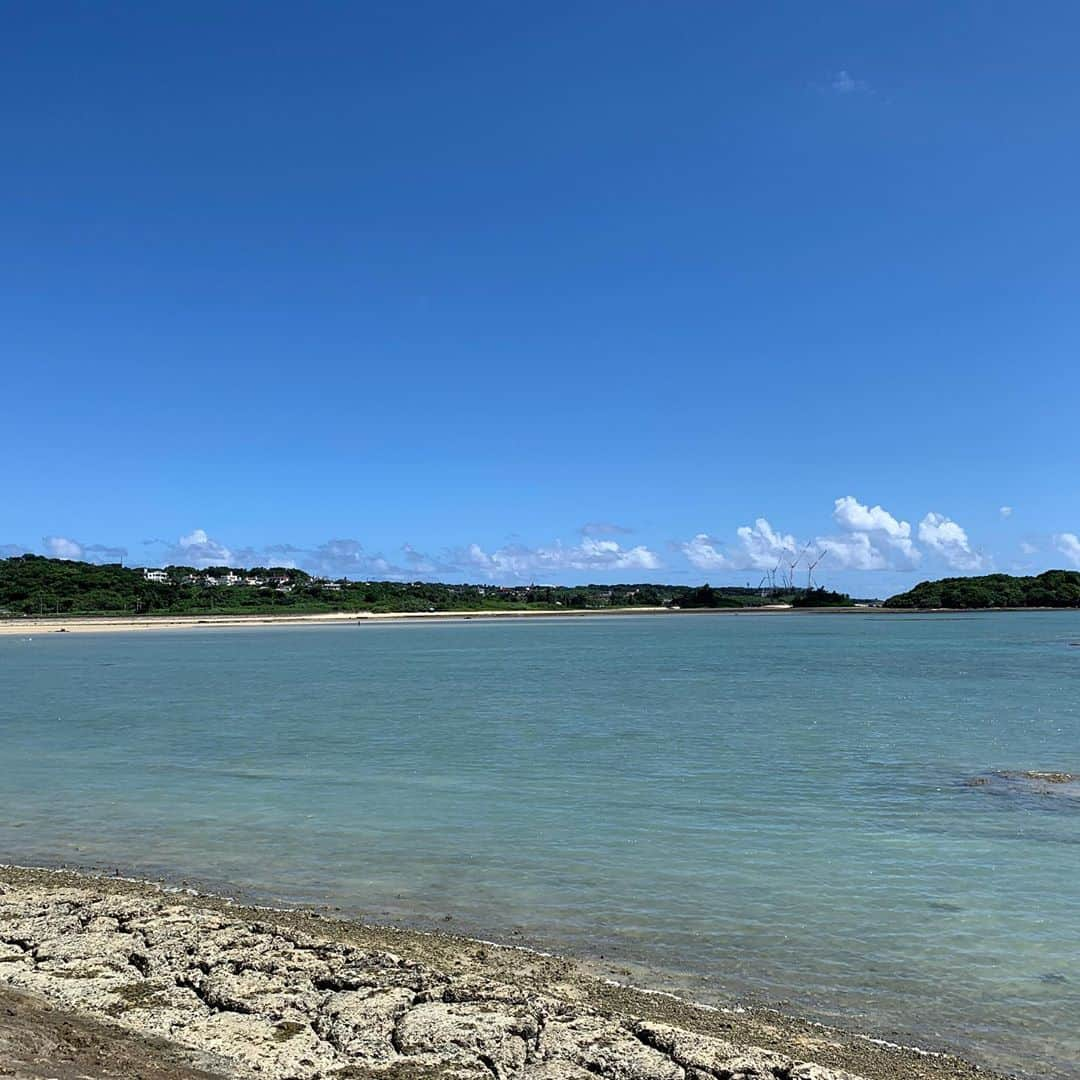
{"x": 564, "y": 292}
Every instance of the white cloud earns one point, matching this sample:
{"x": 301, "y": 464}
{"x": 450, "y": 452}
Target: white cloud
{"x": 335, "y": 558}
{"x": 703, "y": 553}
{"x": 1069, "y": 546}
{"x": 1028, "y": 549}
{"x": 870, "y": 528}
{"x": 763, "y": 546}
{"x": 62, "y": 547}
{"x": 1005, "y": 511}
{"x": 349, "y": 558}
{"x": 852, "y": 514}
{"x": 518, "y": 561}
{"x": 610, "y": 554}
{"x": 417, "y": 561}
{"x": 346, "y": 557}
{"x": 855, "y": 551}
{"x": 950, "y": 541}
{"x": 510, "y": 561}
{"x": 873, "y": 540}
{"x": 198, "y": 549}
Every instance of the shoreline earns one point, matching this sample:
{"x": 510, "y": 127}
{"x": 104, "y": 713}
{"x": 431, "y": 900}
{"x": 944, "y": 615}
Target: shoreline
{"x": 239, "y": 989}
{"x": 125, "y": 623}
{"x": 104, "y": 624}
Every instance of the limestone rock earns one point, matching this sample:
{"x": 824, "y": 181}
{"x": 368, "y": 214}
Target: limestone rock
{"x": 276, "y": 1002}
{"x": 260, "y": 1047}
{"x": 477, "y": 1031}
{"x": 360, "y": 1023}
{"x": 605, "y": 1047}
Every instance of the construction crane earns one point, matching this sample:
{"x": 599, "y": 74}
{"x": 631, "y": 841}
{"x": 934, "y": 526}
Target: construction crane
{"x": 792, "y": 565}
{"x": 773, "y": 572}
{"x": 810, "y": 569}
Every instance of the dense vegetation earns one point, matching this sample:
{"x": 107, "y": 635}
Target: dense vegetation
{"x": 33, "y": 585}
{"x": 1055, "y": 588}
{"x": 820, "y": 598}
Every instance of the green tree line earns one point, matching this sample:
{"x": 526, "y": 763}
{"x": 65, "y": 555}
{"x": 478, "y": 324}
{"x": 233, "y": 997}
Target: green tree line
{"x": 35, "y": 585}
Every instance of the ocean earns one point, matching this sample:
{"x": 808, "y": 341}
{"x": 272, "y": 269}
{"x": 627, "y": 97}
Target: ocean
{"x": 797, "y": 810}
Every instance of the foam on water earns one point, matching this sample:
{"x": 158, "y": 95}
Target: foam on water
{"x": 779, "y": 809}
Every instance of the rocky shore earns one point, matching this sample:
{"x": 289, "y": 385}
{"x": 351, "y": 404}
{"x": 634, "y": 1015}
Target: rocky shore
{"x": 104, "y": 977}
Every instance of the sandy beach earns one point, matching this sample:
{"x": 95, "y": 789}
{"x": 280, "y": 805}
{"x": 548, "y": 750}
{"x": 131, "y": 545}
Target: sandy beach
{"x": 110, "y": 977}
{"x": 104, "y": 624}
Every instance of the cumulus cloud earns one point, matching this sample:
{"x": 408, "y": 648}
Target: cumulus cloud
{"x": 1028, "y": 549}
{"x": 349, "y": 558}
{"x": 198, "y": 549}
{"x": 702, "y": 552}
{"x": 509, "y": 561}
{"x": 853, "y": 515}
{"x": 339, "y": 557}
{"x": 1005, "y": 511}
{"x": 870, "y": 539}
{"x": 949, "y": 540}
{"x": 763, "y": 547}
{"x": 62, "y": 547}
{"x": 760, "y": 547}
{"x": 878, "y": 527}
{"x": 417, "y": 561}
{"x": 520, "y": 562}
{"x": 855, "y": 551}
{"x": 1069, "y": 545}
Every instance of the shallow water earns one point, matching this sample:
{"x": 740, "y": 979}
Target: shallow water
{"x": 753, "y": 806}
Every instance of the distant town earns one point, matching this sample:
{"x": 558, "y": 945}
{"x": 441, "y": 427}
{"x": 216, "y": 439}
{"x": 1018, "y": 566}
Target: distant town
{"x": 223, "y": 576}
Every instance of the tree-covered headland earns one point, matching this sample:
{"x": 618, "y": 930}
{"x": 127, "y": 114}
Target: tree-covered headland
{"x": 1055, "y": 588}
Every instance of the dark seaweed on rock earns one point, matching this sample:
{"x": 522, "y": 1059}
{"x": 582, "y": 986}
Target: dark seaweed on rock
{"x": 1027, "y": 782}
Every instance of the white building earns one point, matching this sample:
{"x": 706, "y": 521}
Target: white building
{"x": 158, "y": 576}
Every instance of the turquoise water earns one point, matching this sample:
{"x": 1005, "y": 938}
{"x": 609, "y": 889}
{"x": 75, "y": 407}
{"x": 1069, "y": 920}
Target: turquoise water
{"x": 770, "y": 808}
